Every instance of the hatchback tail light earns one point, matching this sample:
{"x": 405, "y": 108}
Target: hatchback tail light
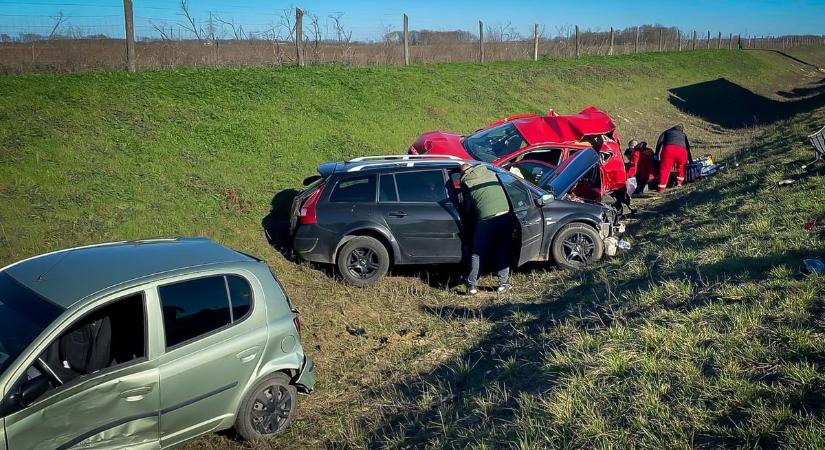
{"x": 298, "y": 326}
{"x": 308, "y": 213}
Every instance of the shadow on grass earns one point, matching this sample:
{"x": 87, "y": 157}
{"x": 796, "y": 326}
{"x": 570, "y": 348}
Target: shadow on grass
{"x": 729, "y": 105}
{"x": 510, "y": 354}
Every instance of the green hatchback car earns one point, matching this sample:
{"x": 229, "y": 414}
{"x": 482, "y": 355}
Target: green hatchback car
{"x": 145, "y": 344}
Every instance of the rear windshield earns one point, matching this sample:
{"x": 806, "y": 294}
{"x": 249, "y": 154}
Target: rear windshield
{"x": 490, "y": 145}
{"x": 23, "y": 316}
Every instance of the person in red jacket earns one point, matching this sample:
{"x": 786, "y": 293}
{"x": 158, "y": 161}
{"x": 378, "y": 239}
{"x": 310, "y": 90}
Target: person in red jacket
{"x": 673, "y": 149}
{"x": 641, "y": 166}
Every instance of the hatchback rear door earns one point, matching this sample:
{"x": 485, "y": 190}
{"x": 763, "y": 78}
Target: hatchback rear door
{"x": 528, "y": 214}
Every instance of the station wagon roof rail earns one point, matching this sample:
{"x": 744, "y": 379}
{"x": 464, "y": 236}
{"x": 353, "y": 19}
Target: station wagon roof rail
{"x": 403, "y": 157}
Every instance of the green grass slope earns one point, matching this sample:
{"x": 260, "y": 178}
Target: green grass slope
{"x": 703, "y": 335}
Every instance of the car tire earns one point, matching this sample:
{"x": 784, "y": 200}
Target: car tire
{"x": 577, "y": 245}
{"x": 259, "y": 416}
{"x": 362, "y": 261}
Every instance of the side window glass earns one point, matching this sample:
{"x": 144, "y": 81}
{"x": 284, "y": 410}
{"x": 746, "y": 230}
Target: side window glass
{"x": 193, "y": 308}
{"x": 520, "y": 197}
{"x": 533, "y": 172}
{"x": 386, "y": 189}
{"x": 112, "y": 335}
{"x": 358, "y": 189}
{"x": 427, "y": 186}
{"x": 240, "y": 294}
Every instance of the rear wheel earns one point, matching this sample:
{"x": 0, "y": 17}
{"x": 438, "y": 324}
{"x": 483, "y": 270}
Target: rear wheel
{"x": 363, "y": 260}
{"x": 268, "y": 409}
{"x": 577, "y": 245}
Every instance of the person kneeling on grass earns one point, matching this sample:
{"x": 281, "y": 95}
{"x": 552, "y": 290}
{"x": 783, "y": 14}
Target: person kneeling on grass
{"x": 673, "y": 149}
{"x": 484, "y": 196}
{"x": 641, "y": 167}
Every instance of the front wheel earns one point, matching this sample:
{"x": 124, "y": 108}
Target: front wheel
{"x": 363, "y": 261}
{"x": 577, "y": 245}
{"x": 268, "y": 409}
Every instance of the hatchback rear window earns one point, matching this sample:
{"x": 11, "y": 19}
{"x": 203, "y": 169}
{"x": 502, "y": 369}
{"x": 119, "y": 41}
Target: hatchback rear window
{"x": 426, "y": 186}
{"x": 194, "y": 308}
{"x": 358, "y": 189}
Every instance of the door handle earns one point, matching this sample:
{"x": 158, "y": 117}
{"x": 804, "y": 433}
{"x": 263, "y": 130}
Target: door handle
{"x": 138, "y": 393}
{"x": 247, "y": 355}
{"x": 398, "y": 214}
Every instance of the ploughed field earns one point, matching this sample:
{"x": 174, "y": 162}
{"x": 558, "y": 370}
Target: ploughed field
{"x": 704, "y": 334}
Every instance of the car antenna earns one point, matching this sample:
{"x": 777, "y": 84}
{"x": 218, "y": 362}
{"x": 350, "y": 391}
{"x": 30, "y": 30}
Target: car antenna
{"x": 42, "y": 276}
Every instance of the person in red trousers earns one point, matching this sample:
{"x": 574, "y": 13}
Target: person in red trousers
{"x": 641, "y": 166}
{"x": 673, "y": 149}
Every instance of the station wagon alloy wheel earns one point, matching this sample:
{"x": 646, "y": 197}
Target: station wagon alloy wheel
{"x": 578, "y": 248}
{"x": 271, "y": 409}
{"x": 363, "y": 263}
{"x": 577, "y": 245}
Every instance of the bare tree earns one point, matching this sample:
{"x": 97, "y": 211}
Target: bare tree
{"x": 343, "y": 37}
{"x": 161, "y": 31}
{"x": 59, "y": 20}
{"x": 237, "y": 30}
{"x": 193, "y": 26}
{"x": 314, "y": 35}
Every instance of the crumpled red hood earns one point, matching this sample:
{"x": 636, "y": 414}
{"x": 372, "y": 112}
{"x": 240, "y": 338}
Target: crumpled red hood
{"x": 569, "y": 128}
{"x": 440, "y": 143}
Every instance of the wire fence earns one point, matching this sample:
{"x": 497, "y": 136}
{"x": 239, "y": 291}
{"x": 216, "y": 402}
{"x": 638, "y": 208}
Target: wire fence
{"x": 73, "y": 43}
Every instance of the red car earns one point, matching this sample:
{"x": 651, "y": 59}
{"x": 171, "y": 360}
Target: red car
{"x": 533, "y": 145}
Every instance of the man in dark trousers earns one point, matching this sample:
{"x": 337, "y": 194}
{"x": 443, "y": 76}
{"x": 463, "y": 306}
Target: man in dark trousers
{"x": 484, "y": 196}
{"x": 673, "y": 149}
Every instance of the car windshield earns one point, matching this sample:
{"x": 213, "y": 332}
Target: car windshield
{"x": 490, "y": 145}
{"x": 23, "y": 316}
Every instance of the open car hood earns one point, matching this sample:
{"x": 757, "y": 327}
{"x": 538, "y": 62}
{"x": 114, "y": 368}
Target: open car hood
{"x": 553, "y": 127}
{"x": 569, "y": 172}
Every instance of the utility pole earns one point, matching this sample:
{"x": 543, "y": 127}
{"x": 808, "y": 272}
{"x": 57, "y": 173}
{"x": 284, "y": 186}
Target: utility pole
{"x": 406, "y": 40}
{"x": 719, "y": 41}
{"x": 694, "y": 40}
{"x": 130, "y": 35}
{"x": 661, "y": 40}
{"x": 679, "y": 38}
{"x": 708, "y": 39}
{"x": 636, "y": 46}
{"x": 536, "y": 42}
{"x": 299, "y": 35}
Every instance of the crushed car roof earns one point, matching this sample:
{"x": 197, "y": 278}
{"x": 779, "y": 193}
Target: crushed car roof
{"x": 565, "y": 128}
{"x": 67, "y": 276}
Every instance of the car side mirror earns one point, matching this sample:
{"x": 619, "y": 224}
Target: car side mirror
{"x": 30, "y": 391}
{"x": 546, "y": 199}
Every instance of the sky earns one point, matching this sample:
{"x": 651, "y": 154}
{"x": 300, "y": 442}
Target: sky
{"x": 369, "y": 19}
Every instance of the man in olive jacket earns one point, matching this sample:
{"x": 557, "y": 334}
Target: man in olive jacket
{"x": 484, "y": 197}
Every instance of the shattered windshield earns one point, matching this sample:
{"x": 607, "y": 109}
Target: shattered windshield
{"x": 490, "y": 145}
{"x": 23, "y": 316}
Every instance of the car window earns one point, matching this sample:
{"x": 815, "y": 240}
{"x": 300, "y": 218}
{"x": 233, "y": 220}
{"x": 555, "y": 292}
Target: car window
{"x": 194, "y": 308}
{"x": 549, "y": 155}
{"x": 386, "y": 189}
{"x": 493, "y": 143}
{"x": 533, "y": 171}
{"x": 425, "y": 186}
{"x": 357, "y": 189}
{"x": 23, "y": 316}
{"x": 112, "y": 335}
{"x": 240, "y": 295}
{"x": 520, "y": 197}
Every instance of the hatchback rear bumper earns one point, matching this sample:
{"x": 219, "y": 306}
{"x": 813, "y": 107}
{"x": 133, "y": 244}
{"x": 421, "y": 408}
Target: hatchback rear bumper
{"x": 306, "y": 378}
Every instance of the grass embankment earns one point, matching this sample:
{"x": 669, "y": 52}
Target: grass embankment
{"x": 703, "y": 335}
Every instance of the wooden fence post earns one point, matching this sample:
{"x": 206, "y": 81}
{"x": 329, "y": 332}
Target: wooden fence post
{"x": 660, "y": 39}
{"x": 708, "y": 39}
{"x": 406, "y": 40}
{"x": 739, "y": 40}
{"x": 719, "y": 41}
{"x": 610, "y": 50}
{"x": 730, "y": 41}
{"x": 577, "y": 41}
{"x": 130, "y": 35}
{"x": 694, "y": 40}
{"x": 480, "y": 41}
{"x": 636, "y": 47}
{"x": 299, "y": 35}
{"x": 679, "y": 38}
{"x": 536, "y": 42}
